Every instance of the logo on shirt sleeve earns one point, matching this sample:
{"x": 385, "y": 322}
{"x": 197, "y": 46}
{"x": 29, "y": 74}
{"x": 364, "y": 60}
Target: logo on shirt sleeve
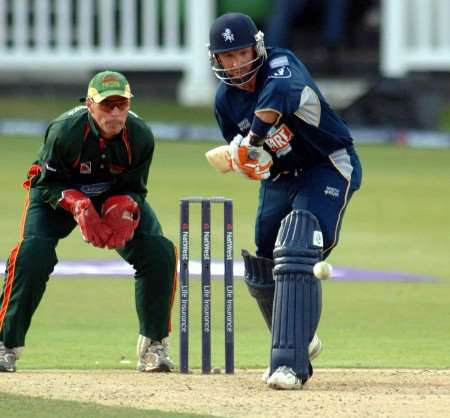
{"x": 86, "y": 168}
{"x": 282, "y": 72}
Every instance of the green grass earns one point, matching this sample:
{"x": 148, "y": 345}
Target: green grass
{"x": 91, "y": 324}
{"x": 31, "y": 107}
{"x": 445, "y": 117}
{"x": 23, "y": 107}
{"x": 398, "y": 221}
{"x": 34, "y": 407}
{"x": 12, "y": 107}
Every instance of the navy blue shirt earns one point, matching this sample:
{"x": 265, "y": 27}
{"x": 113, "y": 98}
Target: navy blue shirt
{"x": 307, "y": 131}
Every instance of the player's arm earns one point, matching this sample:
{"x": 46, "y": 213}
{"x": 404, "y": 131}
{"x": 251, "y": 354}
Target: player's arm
{"x": 121, "y": 212}
{"x": 55, "y": 159}
{"x": 247, "y": 153}
{"x": 133, "y": 180}
{"x": 262, "y": 122}
{"x": 223, "y": 159}
{"x": 278, "y": 97}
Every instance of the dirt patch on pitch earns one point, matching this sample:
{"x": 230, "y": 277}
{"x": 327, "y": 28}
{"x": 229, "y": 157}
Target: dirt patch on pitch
{"x": 331, "y": 393}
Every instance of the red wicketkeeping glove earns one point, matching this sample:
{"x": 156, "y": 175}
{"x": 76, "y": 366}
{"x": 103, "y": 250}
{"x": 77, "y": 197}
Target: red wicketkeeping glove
{"x": 122, "y": 214}
{"x": 93, "y": 229}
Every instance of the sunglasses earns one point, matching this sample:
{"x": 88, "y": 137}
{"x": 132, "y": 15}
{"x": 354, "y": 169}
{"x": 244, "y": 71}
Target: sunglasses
{"x": 109, "y": 105}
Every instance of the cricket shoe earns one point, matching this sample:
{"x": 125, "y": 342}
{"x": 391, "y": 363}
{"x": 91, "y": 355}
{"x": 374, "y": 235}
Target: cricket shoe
{"x": 314, "y": 350}
{"x": 153, "y": 356}
{"x": 8, "y": 357}
{"x": 285, "y": 378}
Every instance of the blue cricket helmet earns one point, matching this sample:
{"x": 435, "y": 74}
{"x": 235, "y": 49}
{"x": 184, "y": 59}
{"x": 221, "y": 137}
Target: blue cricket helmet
{"x": 230, "y": 32}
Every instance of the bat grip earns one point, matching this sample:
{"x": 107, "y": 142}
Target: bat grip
{"x": 253, "y": 154}
{"x": 256, "y": 141}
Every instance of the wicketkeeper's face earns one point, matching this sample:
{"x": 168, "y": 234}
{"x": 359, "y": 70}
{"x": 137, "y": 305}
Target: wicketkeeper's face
{"x": 110, "y": 114}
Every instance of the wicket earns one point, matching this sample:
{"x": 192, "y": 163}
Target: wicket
{"x": 205, "y": 203}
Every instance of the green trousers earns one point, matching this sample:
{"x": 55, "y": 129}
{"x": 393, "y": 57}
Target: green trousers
{"x": 33, "y": 259}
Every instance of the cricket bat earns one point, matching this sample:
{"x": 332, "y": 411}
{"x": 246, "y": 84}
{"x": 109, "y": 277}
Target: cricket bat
{"x": 219, "y": 158}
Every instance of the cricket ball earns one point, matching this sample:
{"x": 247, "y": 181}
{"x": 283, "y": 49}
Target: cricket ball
{"x": 322, "y": 270}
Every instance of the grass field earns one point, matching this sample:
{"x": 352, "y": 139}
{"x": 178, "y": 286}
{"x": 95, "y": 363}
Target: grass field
{"x": 27, "y": 407}
{"x": 363, "y": 325}
{"x": 397, "y": 222}
{"x": 32, "y": 108}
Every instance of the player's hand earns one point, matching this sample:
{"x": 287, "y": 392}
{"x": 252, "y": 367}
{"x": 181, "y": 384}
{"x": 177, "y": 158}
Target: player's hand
{"x": 248, "y": 160}
{"x": 122, "y": 214}
{"x": 258, "y": 171}
{"x": 93, "y": 229}
{"x": 241, "y": 152}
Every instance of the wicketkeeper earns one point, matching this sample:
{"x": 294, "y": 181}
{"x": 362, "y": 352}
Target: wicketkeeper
{"x": 92, "y": 173}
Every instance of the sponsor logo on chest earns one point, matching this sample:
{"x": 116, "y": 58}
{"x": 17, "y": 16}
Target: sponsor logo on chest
{"x": 278, "y": 139}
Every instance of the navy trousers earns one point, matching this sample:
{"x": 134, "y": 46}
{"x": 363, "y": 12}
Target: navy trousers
{"x": 324, "y": 190}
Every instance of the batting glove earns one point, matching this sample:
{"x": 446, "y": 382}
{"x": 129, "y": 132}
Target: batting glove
{"x": 122, "y": 214}
{"x": 93, "y": 229}
{"x": 248, "y": 160}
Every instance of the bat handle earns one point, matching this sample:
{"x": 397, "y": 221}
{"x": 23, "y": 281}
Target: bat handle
{"x": 256, "y": 141}
{"x": 253, "y": 154}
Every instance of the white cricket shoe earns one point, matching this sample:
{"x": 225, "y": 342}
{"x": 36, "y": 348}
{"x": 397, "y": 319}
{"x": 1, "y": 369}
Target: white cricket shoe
{"x": 284, "y": 378}
{"x": 8, "y": 357}
{"x": 153, "y": 356}
{"x": 314, "y": 350}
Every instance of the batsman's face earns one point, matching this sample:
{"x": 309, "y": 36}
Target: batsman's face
{"x": 110, "y": 114}
{"x": 237, "y": 63}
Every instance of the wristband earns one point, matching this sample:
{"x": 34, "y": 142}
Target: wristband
{"x": 260, "y": 128}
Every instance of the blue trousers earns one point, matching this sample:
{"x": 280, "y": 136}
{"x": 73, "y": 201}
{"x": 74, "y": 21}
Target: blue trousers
{"x": 322, "y": 190}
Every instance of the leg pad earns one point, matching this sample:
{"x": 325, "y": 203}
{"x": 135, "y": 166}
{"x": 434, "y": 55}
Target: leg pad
{"x": 297, "y": 300}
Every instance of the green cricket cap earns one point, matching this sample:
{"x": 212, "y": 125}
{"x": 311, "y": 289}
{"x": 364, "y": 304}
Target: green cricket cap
{"x": 106, "y": 84}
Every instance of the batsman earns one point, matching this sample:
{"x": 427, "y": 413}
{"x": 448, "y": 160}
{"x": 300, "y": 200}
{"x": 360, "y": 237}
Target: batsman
{"x": 282, "y": 132}
{"x": 91, "y": 174}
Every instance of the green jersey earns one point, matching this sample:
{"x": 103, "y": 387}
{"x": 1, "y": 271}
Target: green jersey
{"x": 75, "y": 156}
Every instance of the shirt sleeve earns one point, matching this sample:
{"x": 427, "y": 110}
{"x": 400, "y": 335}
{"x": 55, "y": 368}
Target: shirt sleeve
{"x": 228, "y": 129}
{"x": 55, "y": 161}
{"x": 282, "y": 88}
{"x": 134, "y": 180}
